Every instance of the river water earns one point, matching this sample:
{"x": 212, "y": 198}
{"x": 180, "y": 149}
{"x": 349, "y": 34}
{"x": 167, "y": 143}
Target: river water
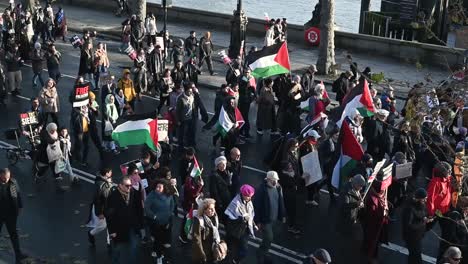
{"x": 296, "y": 11}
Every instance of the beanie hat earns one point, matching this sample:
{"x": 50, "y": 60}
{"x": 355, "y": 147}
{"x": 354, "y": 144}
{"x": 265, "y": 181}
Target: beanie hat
{"x": 247, "y": 190}
{"x": 272, "y": 175}
{"x": 420, "y": 193}
{"x": 358, "y": 180}
{"x": 37, "y": 45}
{"x": 399, "y": 157}
{"x": 442, "y": 169}
{"x": 220, "y": 159}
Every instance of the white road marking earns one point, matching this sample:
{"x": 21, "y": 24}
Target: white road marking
{"x": 391, "y": 246}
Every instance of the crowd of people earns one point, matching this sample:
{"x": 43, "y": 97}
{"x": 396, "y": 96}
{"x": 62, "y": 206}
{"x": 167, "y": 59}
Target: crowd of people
{"x": 142, "y": 207}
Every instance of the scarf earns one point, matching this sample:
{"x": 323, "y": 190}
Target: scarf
{"x": 111, "y": 110}
{"x": 125, "y": 196}
{"x": 66, "y": 144}
{"x": 240, "y": 209}
{"x": 214, "y": 226}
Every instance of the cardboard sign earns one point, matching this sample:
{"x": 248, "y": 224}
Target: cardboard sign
{"x": 130, "y": 51}
{"x": 81, "y": 95}
{"x": 311, "y": 165}
{"x": 377, "y": 168}
{"x": 404, "y": 170}
{"x": 160, "y": 42}
{"x": 163, "y": 130}
{"x": 124, "y": 167}
{"x": 387, "y": 177}
{"x": 76, "y": 41}
{"x": 29, "y": 118}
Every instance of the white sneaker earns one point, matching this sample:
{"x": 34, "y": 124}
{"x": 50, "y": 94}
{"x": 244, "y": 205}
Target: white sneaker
{"x": 159, "y": 260}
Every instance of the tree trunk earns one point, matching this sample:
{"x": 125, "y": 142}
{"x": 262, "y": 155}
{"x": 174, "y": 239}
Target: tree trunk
{"x": 140, "y": 9}
{"x": 326, "y": 56}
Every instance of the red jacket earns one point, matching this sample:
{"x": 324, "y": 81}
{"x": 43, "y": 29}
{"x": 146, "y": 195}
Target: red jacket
{"x": 439, "y": 194}
{"x": 191, "y": 192}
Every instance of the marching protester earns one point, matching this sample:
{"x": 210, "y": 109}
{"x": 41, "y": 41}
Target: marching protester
{"x": 221, "y": 185}
{"x": 53, "y": 58}
{"x": 206, "y": 49}
{"x": 11, "y": 204}
{"x": 50, "y": 101}
{"x": 37, "y": 61}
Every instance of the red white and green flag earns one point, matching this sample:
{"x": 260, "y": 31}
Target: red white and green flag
{"x": 137, "y": 132}
{"x": 305, "y": 104}
{"x": 351, "y": 154}
{"x": 225, "y": 124}
{"x": 196, "y": 170}
{"x": 269, "y": 61}
{"x": 360, "y": 99}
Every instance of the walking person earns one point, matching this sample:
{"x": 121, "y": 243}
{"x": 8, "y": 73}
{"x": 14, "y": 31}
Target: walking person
{"x": 191, "y": 44}
{"x": 13, "y": 63}
{"x": 86, "y": 68}
{"x": 49, "y": 153}
{"x": 109, "y": 117}
{"x": 269, "y": 210}
{"x": 126, "y": 85}
{"x": 414, "y": 224}
{"x": 65, "y": 146}
{"x": 104, "y": 186}
{"x": 167, "y": 85}
{"x": 241, "y": 225}
{"x": 206, "y": 49}
{"x": 193, "y": 188}
{"x": 50, "y": 102}
{"x": 37, "y": 61}
{"x": 159, "y": 209}
{"x": 11, "y": 205}
{"x": 101, "y": 64}
{"x": 53, "y": 58}
{"x": 220, "y": 186}
{"x": 124, "y": 217}
{"x": 60, "y": 25}
{"x": 206, "y": 234}
{"x": 309, "y": 145}
{"x": 266, "y": 110}
{"x": 151, "y": 28}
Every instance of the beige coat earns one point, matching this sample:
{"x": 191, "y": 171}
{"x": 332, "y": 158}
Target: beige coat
{"x": 49, "y": 100}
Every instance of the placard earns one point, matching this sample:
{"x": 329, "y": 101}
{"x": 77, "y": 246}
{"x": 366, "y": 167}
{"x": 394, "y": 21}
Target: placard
{"x": 163, "y": 130}
{"x": 404, "y": 170}
{"x": 160, "y": 42}
{"x": 124, "y": 167}
{"x": 81, "y": 95}
{"x": 29, "y": 118}
{"x": 311, "y": 165}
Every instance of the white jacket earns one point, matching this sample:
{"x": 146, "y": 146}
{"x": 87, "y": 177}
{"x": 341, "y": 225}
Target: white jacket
{"x": 150, "y": 26}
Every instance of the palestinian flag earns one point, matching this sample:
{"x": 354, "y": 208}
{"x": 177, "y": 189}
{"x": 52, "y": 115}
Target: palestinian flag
{"x": 360, "y": 99}
{"x": 351, "y": 154}
{"x": 196, "y": 171}
{"x": 137, "y": 132}
{"x": 225, "y": 124}
{"x": 305, "y": 104}
{"x": 269, "y": 61}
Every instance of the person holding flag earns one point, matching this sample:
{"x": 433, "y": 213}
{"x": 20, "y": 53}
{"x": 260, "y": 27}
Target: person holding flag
{"x": 317, "y": 105}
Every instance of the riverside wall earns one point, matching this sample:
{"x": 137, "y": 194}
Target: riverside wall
{"x": 402, "y": 50}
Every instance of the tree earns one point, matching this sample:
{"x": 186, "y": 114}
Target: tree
{"x": 326, "y": 56}
{"x": 140, "y": 9}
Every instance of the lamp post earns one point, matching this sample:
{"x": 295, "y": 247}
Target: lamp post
{"x": 166, "y": 4}
{"x": 238, "y": 30}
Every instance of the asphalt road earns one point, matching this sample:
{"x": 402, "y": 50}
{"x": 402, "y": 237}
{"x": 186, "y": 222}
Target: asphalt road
{"x": 52, "y": 223}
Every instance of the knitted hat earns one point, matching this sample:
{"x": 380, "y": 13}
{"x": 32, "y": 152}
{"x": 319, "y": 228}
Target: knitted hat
{"x": 358, "y": 180}
{"x": 442, "y": 169}
{"x": 220, "y": 159}
{"x": 247, "y": 190}
{"x": 272, "y": 175}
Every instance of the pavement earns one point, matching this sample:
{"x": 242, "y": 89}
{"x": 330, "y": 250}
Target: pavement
{"x": 51, "y": 225}
{"x": 400, "y": 74}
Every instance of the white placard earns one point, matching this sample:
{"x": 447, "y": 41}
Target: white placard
{"x": 144, "y": 183}
{"x": 163, "y": 130}
{"x": 404, "y": 170}
{"x": 311, "y": 166}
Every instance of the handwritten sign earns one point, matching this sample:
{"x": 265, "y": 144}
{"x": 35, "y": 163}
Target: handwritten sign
{"x": 404, "y": 170}
{"x": 163, "y": 130}
{"x": 81, "y": 95}
{"x": 29, "y": 118}
{"x": 311, "y": 166}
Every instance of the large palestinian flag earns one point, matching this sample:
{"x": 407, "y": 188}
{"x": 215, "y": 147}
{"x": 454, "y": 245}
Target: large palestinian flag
{"x": 360, "y": 99}
{"x": 225, "y": 124}
{"x": 351, "y": 154}
{"x": 269, "y": 61}
{"x": 137, "y": 133}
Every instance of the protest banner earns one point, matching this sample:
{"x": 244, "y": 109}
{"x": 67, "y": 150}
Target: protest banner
{"x": 311, "y": 166}
{"x": 81, "y": 95}
{"x": 29, "y": 118}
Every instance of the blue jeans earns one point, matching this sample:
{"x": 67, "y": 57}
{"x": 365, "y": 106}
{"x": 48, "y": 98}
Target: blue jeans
{"x": 37, "y": 76}
{"x": 125, "y": 252}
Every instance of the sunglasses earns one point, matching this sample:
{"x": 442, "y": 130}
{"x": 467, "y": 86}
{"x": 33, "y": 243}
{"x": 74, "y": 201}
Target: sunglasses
{"x": 128, "y": 185}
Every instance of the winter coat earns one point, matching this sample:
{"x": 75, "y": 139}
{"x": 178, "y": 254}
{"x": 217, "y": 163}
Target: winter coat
{"x": 439, "y": 193}
{"x": 53, "y": 60}
{"x": 123, "y": 218}
{"x": 349, "y": 211}
{"x": 150, "y": 26}
{"x": 261, "y": 202}
{"x": 286, "y": 180}
{"x": 127, "y": 88}
{"x": 206, "y": 47}
{"x": 308, "y": 82}
{"x": 15, "y": 195}
{"x": 340, "y": 87}
{"x": 328, "y": 156}
{"x": 178, "y": 75}
{"x": 412, "y": 220}
{"x": 12, "y": 61}
{"x": 203, "y": 239}
{"x": 37, "y": 60}
{"x": 46, "y": 140}
{"x": 103, "y": 190}
{"x": 49, "y": 100}
{"x": 191, "y": 192}
{"x": 220, "y": 189}
{"x": 86, "y": 62}
{"x": 404, "y": 143}
{"x": 159, "y": 208}
{"x": 191, "y": 45}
